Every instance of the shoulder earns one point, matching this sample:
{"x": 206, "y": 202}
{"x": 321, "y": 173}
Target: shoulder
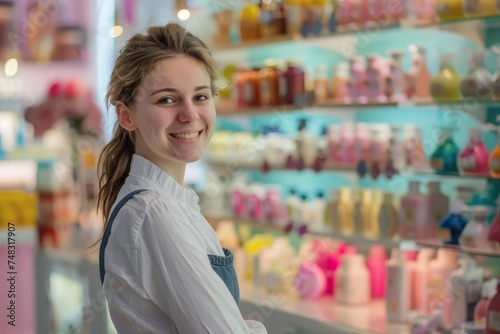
{"x": 145, "y": 208}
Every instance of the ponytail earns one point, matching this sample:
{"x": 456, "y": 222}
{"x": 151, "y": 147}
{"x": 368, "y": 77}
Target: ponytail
{"x": 113, "y": 167}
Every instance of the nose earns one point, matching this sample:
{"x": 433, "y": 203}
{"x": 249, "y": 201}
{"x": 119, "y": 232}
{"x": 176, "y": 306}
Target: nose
{"x": 188, "y": 112}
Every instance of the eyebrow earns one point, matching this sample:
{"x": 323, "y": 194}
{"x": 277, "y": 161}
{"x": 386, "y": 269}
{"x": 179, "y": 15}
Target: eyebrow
{"x": 175, "y": 90}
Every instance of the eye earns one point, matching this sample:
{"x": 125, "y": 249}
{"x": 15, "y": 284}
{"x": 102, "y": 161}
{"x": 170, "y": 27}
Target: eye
{"x": 166, "y": 100}
{"x": 201, "y": 98}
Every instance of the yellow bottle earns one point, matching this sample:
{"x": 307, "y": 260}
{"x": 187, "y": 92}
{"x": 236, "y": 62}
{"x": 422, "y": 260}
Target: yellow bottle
{"x": 249, "y": 23}
{"x": 445, "y": 85}
{"x": 345, "y": 210}
{"x": 364, "y": 211}
{"x": 479, "y": 8}
{"x": 448, "y": 10}
{"x": 371, "y": 230}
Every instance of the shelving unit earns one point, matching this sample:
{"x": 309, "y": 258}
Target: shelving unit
{"x": 343, "y": 31}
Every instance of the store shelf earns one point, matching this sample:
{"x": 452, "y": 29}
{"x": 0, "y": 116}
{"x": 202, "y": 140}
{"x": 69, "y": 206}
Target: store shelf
{"x": 434, "y": 243}
{"x": 322, "y": 315}
{"x": 409, "y": 172}
{"x": 226, "y": 109}
{"x": 354, "y": 239}
{"x": 352, "y": 29}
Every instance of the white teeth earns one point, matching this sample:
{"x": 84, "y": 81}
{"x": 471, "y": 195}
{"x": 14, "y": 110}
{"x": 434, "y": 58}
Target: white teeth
{"x": 185, "y": 135}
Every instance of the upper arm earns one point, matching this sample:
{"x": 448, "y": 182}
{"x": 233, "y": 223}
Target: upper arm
{"x": 176, "y": 274}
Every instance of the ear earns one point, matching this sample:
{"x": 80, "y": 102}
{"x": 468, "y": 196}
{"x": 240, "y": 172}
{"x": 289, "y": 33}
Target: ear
{"x": 124, "y": 116}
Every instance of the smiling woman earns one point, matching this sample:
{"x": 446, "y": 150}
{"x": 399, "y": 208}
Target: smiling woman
{"x": 162, "y": 267}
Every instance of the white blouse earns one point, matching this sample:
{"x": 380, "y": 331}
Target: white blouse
{"x": 158, "y": 275}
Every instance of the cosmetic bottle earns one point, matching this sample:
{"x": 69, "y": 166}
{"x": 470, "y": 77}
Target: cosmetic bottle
{"x": 374, "y": 80}
{"x": 331, "y": 211}
{"x": 249, "y": 23}
{"x": 357, "y": 81}
{"x": 413, "y": 214}
{"x": 419, "y": 82}
{"x": 295, "y": 77}
{"x": 475, "y": 234}
{"x": 396, "y": 78}
{"x": 398, "y": 291}
{"x": 467, "y": 281}
{"x": 451, "y": 227}
{"x": 340, "y": 83}
{"x": 317, "y": 208}
{"x": 474, "y": 158}
{"x": 376, "y": 264}
{"x": 388, "y": 220}
{"x": 479, "y": 8}
{"x": 306, "y": 144}
{"x": 362, "y": 211}
{"x": 419, "y": 281}
{"x": 493, "y": 313}
{"x": 439, "y": 283}
{"x": 488, "y": 291}
{"x": 352, "y": 281}
{"x": 444, "y": 158}
{"x": 494, "y": 233}
{"x": 438, "y": 207}
{"x": 495, "y": 159}
{"x": 448, "y": 10}
{"x": 292, "y": 204}
{"x": 477, "y": 83}
{"x": 321, "y": 91}
{"x": 413, "y": 147}
{"x": 445, "y": 85}
{"x": 345, "y": 209}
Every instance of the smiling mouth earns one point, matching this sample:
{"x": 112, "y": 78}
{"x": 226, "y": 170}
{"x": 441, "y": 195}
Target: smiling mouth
{"x": 191, "y": 135}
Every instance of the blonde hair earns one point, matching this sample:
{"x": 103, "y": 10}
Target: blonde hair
{"x": 140, "y": 55}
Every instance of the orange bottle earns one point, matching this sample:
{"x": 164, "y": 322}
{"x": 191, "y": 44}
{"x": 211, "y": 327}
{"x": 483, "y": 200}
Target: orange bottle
{"x": 252, "y": 87}
{"x": 269, "y": 84}
{"x": 249, "y": 23}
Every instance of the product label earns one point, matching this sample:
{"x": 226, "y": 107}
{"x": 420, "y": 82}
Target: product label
{"x": 282, "y": 87}
{"x": 468, "y": 241}
{"x": 494, "y": 321}
{"x": 467, "y": 163}
{"x": 472, "y": 6}
{"x": 495, "y": 164}
{"x": 265, "y": 93}
{"x": 437, "y": 164}
{"x": 248, "y": 93}
{"x": 443, "y": 9}
{"x": 437, "y": 90}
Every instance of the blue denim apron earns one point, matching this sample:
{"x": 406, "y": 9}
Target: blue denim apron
{"x": 222, "y": 265}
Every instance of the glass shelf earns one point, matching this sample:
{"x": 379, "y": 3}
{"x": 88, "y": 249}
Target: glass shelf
{"x": 236, "y": 165}
{"x": 227, "y": 110}
{"x": 406, "y": 23}
{"x": 434, "y": 243}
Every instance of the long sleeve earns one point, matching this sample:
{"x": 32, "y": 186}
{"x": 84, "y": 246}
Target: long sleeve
{"x": 176, "y": 275}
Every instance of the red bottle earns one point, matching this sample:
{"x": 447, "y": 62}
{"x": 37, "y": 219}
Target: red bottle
{"x": 295, "y": 77}
{"x": 493, "y": 314}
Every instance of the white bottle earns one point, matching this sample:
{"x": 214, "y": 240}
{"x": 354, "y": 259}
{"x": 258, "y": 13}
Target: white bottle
{"x": 306, "y": 144}
{"x": 304, "y": 210}
{"x": 475, "y": 233}
{"x": 466, "y": 281}
{"x": 317, "y": 212}
{"x": 419, "y": 281}
{"x": 352, "y": 280}
{"x": 292, "y": 205}
{"x": 398, "y": 292}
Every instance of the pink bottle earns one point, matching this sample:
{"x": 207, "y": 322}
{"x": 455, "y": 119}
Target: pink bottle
{"x": 376, "y": 264}
{"x": 374, "y": 80}
{"x": 20, "y": 290}
{"x": 359, "y": 11}
{"x": 274, "y": 207}
{"x": 328, "y": 261}
{"x": 474, "y": 159}
{"x": 346, "y": 147}
{"x": 419, "y": 280}
{"x": 345, "y": 12}
{"x": 413, "y": 214}
{"x": 362, "y": 142}
{"x": 357, "y": 87}
{"x": 427, "y": 10}
{"x": 333, "y": 153}
{"x": 238, "y": 201}
{"x": 439, "y": 283}
{"x": 493, "y": 314}
{"x": 494, "y": 233}
{"x": 255, "y": 203}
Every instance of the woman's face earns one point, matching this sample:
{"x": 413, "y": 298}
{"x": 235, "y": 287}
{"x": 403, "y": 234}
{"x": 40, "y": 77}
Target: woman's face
{"x": 174, "y": 113}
